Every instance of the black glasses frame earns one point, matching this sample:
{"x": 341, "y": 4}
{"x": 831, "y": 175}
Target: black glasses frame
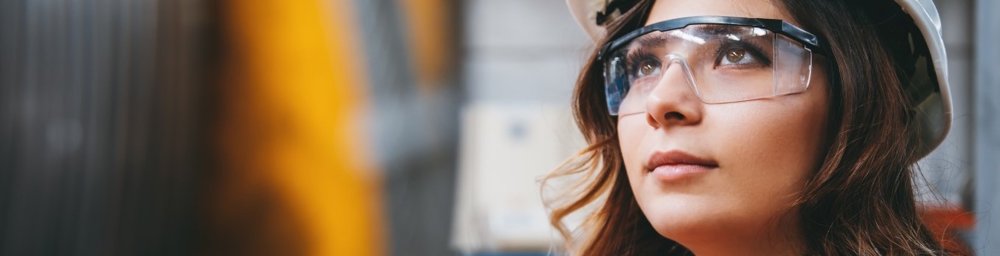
{"x": 777, "y": 26}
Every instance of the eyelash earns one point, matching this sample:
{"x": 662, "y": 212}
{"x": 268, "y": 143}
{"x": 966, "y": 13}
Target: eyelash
{"x": 637, "y": 58}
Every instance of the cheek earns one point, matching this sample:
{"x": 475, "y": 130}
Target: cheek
{"x": 778, "y": 143}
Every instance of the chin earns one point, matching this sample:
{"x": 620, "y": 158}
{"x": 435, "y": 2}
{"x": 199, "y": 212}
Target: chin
{"x": 681, "y": 217}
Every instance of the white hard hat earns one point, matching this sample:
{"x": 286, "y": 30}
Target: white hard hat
{"x": 933, "y": 112}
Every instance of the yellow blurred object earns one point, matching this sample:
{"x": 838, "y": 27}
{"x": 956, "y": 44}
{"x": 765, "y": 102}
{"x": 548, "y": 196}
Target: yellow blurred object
{"x": 291, "y": 133}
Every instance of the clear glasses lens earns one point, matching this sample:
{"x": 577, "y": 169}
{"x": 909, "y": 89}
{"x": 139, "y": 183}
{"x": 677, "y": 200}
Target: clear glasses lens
{"x": 720, "y": 63}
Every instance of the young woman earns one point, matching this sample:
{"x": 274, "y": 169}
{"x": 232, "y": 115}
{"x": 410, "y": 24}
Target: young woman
{"x": 754, "y": 127}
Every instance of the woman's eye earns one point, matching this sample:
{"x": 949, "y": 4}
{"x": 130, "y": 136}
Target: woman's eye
{"x": 741, "y": 55}
{"x": 738, "y": 57}
{"x": 735, "y": 56}
{"x": 647, "y": 68}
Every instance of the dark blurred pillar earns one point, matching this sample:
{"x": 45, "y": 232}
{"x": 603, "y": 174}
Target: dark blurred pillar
{"x": 411, "y": 48}
{"x": 102, "y": 105}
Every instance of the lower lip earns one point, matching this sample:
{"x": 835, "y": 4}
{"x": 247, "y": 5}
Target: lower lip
{"x": 677, "y": 172}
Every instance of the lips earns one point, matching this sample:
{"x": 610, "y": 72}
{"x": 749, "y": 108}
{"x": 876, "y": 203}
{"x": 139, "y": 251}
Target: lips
{"x": 676, "y": 165}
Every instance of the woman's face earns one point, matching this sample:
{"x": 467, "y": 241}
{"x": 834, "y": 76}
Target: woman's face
{"x": 710, "y": 172}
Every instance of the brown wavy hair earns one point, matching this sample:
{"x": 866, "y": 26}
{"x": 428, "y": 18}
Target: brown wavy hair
{"x": 859, "y": 202}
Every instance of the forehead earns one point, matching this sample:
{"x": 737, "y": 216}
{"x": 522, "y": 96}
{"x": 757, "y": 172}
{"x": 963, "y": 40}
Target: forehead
{"x": 671, "y": 9}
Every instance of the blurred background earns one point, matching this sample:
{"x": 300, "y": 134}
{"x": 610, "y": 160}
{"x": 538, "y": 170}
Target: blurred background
{"x": 345, "y": 127}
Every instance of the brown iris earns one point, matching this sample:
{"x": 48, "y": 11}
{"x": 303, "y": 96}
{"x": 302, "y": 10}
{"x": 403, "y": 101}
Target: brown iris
{"x": 735, "y": 55}
{"x": 647, "y": 68}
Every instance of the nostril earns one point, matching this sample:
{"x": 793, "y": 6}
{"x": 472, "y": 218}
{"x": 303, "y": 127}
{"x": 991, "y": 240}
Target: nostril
{"x": 674, "y": 115}
{"x": 669, "y": 117}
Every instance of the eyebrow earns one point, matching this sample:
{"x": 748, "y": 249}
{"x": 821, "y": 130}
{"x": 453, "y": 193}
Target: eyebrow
{"x": 729, "y": 29}
{"x": 650, "y": 40}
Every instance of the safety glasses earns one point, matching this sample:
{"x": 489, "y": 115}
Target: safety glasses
{"x": 722, "y": 59}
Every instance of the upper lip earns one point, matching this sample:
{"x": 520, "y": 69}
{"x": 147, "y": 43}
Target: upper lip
{"x": 676, "y": 157}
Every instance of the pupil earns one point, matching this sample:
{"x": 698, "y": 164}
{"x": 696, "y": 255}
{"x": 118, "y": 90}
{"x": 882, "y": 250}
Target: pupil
{"x": 647, "y": 68}
{"x": 735, "y": 55}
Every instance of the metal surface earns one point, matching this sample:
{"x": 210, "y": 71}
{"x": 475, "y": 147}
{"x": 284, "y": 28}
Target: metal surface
{"x": 99, "y": 125}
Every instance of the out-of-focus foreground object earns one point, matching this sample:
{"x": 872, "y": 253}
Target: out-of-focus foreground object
{"x": 183, "y": 127}
{"x": 295, "y": 175}
{"x": 101, "y": 125}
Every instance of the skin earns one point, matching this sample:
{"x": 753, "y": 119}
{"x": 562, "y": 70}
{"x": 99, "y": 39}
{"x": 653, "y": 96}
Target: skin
{"x": 765, "y": 150}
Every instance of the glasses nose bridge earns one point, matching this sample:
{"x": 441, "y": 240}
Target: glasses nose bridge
{"x": 688, "y": 75}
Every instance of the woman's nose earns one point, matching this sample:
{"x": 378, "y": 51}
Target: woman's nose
{"x": 673, "y": 102}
